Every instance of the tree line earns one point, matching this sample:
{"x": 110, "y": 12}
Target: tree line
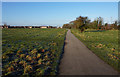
{"x": 83, "y": 23}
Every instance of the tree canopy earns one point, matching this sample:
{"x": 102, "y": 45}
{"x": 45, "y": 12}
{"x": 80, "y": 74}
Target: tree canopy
{"x": 83, "y": 23}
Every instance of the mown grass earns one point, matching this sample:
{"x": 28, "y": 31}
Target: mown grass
{"x": 31, "y": 52}
{"x": 103, "y": 43}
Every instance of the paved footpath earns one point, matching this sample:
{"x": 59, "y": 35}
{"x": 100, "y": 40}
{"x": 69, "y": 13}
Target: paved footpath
{"x": 79, "y": 60}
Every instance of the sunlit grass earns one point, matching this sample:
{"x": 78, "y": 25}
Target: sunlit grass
{"x": 103, "y": 43}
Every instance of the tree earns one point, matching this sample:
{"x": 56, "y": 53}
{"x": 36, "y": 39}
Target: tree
{"x": 81, "y": 23}
{"x": 99, "y": 22}
{"x": 115, "y": 25}
{"x": 72, "y": 24}
{"x": 106, "y": 26}
{"x": 66, "y": 26}
{"x": 93, "y": 25}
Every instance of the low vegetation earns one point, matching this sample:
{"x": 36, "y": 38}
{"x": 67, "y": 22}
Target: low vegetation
{"x": 31, "y": 52}
{"x": 104, "y": 43}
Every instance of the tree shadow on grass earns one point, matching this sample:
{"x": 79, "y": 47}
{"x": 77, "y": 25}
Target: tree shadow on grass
{"x": 96, "y": 31}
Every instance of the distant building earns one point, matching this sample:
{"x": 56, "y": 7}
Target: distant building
{"x": 59, "y": 27}
{"x": 5, "y": 26}
{"x": 30, "y": 27}
{"x": 44, "y": 27}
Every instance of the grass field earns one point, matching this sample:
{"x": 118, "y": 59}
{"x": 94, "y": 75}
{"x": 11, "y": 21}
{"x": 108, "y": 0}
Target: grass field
{"x": 31, "y": 51}
{"x": 103, "y": 43}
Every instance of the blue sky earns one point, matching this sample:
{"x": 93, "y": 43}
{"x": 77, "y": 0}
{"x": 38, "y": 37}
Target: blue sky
{"x": 56, "y": 13}
{"x": 60, "y": 0}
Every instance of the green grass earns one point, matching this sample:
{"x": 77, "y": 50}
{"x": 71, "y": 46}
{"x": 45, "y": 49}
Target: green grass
{"x": 103, "y": 43}
{"x": 32, "y": 51}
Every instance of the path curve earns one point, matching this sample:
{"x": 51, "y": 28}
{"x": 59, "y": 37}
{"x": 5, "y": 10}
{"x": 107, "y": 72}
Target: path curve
{"x": 79, "y": 60}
